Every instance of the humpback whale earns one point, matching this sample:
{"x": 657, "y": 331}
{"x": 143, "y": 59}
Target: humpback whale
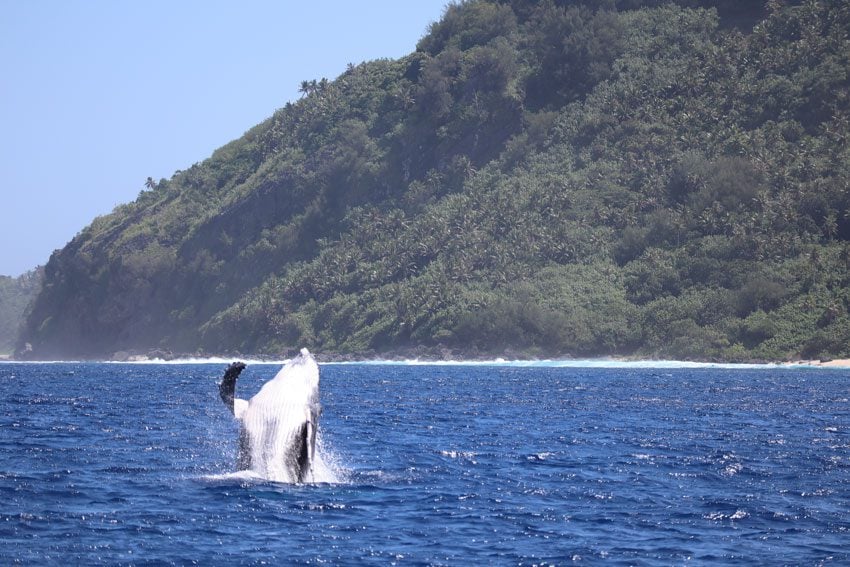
{"x": 277, "y": 434}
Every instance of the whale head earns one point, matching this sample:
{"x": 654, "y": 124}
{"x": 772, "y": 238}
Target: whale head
{"x": 301, "y": 370}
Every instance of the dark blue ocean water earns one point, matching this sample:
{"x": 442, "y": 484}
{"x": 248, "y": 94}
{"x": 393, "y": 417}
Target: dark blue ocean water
{"x": 110, "y": 463}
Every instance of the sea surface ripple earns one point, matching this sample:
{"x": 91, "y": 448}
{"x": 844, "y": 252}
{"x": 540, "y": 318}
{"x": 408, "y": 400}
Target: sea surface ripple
{"x": 128, "y": 464}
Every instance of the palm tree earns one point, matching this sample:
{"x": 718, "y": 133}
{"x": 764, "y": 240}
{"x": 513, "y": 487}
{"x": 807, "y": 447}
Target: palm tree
{"x": 308, "y": 87}
{"x": 150, "y": 183}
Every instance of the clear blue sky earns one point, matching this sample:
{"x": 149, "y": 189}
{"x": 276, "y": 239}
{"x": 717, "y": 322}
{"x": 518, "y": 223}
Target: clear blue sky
{"x": 97, "y": 95}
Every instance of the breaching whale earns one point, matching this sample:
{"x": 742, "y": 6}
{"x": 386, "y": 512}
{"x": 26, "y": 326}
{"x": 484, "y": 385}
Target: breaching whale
{"x": 277, "y": 437}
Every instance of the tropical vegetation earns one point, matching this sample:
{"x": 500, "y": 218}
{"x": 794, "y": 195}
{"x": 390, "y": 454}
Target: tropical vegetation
{"x": 539, "y": 178}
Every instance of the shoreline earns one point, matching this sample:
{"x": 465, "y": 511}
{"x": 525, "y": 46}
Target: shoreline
{"x": 431, "y": 355}
{"x": 836, "y": 363}
{"x": 333, "y": 359}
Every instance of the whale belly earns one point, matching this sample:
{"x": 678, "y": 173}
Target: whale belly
{"x": 279, "y": 433}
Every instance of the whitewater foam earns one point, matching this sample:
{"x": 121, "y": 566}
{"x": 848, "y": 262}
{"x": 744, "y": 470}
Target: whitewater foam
{"x": 579, "y": 363}
{"x": 327, "y": 469}
{"x": 497, "y": 362}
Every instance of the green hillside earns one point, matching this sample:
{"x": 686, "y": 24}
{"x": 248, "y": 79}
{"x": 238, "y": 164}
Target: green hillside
{"x": 546, "y": 178}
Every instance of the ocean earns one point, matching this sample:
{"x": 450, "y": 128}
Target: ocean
{"x": 503, "y": 464}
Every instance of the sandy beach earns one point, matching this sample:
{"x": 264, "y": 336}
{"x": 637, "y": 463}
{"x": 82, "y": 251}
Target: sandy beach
{"x": 837, "y": 363}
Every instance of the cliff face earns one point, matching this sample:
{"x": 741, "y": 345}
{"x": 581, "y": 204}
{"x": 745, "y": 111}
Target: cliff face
{"x": 15, "y": 295}
{"x": 544, "y": 177}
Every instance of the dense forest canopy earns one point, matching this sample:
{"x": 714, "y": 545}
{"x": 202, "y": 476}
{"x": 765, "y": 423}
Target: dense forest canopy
{"x": 552, "y": 178}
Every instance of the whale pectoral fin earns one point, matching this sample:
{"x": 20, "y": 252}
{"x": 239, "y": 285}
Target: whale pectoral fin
{"x": 311, "y": 441}
{"x": 243, "y": 461}
{"x": 239, "y": 407}
{"x": 304, "y": 458}
{"x": 227, "y": 388}
{"x": 307, "y": 443}
{"x": 312, "y": 427}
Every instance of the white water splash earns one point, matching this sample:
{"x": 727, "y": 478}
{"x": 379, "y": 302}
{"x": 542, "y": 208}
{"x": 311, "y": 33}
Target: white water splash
{"x": 737, "y": 515}
{"x": 327, "y": 469}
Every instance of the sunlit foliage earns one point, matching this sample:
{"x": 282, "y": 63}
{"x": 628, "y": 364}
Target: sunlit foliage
{"x": 546, "y": 178}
